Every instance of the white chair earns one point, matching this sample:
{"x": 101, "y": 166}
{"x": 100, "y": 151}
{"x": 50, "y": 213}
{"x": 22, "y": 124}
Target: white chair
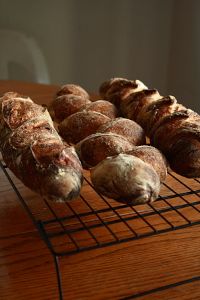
{"x": 16, "y": 47}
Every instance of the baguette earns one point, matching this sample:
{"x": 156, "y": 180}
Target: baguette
{"x": 171, "y": 127}
{"x": 34, "y": 151}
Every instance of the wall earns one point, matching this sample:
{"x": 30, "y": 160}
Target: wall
{"x": 184, "y": 57}
{"x": 88, "y": 41}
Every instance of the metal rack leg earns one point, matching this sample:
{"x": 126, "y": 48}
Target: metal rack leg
{"x": 58, "y": 274}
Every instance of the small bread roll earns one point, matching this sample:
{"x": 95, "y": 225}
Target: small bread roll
{"x": 80, "y": 125}
{"x": 66, "y": 105}
{"x": 129, "y": 129}
{"x": 72, "y": 89}
{"x": 97, "y": 147}
{"x": 104, "y": 107}
{"x": 153, "y": 157}
{"x": 127, "y": 179}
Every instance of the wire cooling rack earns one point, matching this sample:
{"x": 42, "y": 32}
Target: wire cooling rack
{"x": 93, "y": 221}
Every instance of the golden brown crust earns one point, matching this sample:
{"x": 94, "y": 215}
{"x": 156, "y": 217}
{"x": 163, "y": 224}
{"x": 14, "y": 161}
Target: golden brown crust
{"x": 129, "y": 129}
{"x": 80, "y": 125}
{"x": 97, "y": 147}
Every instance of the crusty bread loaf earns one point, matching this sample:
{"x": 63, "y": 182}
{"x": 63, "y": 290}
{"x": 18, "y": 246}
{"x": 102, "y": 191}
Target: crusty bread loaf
{"x": 172, "y": 128}
{"x": 80, "y": 125}
{"x": 34, "y": 152}
{"x": 127, "y": 179}
{"x": 97, "y": 147}
{"x": 129, "y": 129}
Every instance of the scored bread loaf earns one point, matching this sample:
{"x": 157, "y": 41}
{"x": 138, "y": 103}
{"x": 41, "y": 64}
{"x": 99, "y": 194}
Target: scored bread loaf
{"x": 171, "y": 127}
{"x": 34, "y": 151}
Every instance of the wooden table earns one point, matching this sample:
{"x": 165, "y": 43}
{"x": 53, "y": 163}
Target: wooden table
{"x": 163, "y": 265}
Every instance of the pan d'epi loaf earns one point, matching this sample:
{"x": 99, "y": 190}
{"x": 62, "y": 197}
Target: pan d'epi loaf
{"x": 171, "y": 127}
{"x": 34, "y": 151}
{"x": 78, "y": 117}
{"x": 106, "y": 144}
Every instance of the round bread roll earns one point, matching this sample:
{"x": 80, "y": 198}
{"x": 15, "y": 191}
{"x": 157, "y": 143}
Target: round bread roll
{"x": 72, "y": 89}
{"x": 66, "y": 105}
{"x": 97, "y": 147}
{"x": 104, "y": 107}
{"x": 153, "y": 157}
{"x": 80, "y": 125}
{"x": 129, "y": 129}
{"x": 127, "y": 179}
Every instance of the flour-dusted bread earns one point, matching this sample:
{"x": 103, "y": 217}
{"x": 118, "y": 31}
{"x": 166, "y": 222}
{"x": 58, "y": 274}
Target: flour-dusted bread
{"x": 73, "y": 89}
{"x": 126, "y": 178}
{"x": 129, "y": 129}
{"x": 34, "y": 151}
{"x": 102, "y": 106}
{"x": 96, "y": 147}
{"x": 69, "y": 99}
{"x": 153, "y": 157}
{"x": 66, "y": 105}
{"x": 80, "y": 125}
{"x": 171, "y": 127}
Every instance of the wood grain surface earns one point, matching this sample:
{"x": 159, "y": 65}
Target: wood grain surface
{"x": 162, "y": 266}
